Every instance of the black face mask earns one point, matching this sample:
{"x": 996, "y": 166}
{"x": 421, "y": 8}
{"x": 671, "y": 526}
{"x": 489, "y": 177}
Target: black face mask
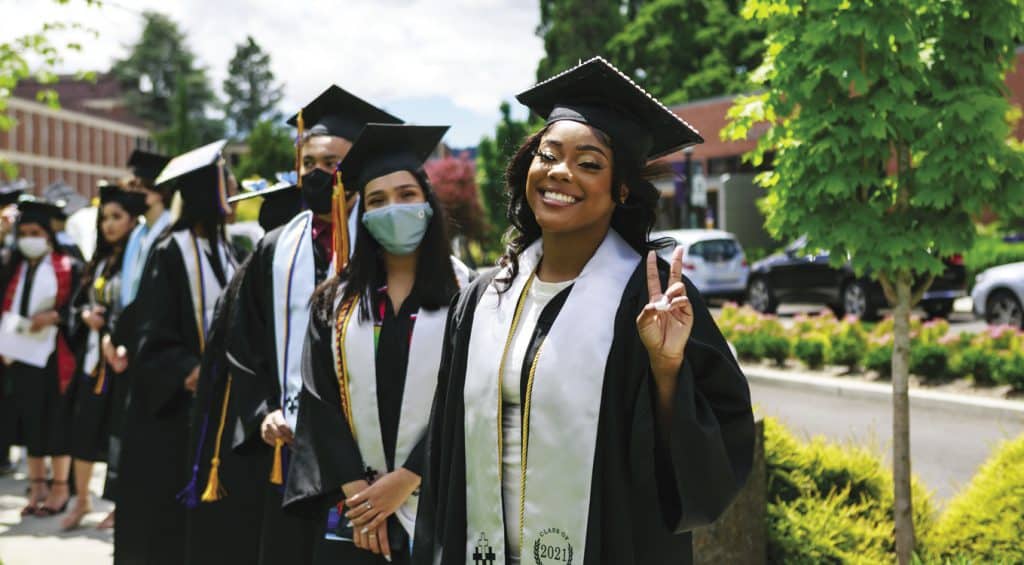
{"x": 317, "y": 188}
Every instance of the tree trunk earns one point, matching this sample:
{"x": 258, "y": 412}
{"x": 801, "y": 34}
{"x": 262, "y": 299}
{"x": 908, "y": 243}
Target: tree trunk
{"x": 903, "y": 509}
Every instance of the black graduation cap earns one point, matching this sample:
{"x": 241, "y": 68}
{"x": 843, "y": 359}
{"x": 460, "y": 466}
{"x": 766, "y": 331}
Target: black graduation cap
{"x": 340, "y": 113}
{"x": 199, "y": 176}
{"x": 146, "y": 165}
{"x": 133, "y": 202}
{"x": 36, "y": 211}
{"x": 281, "y": 202}
{"x": 385, "y": 148}
{"x": 598, "y": 94}
{"x": 10, "y": 195}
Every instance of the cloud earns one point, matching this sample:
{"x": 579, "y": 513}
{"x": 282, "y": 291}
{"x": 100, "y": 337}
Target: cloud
{"x": 473, "y": 53}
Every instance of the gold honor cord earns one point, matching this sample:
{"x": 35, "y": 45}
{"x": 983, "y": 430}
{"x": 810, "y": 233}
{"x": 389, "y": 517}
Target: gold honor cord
{"x": 214, "y": 491}
{"x": 345, "y": 312}
{"x": 100, "y": 372}
{"x": 525, "y": 442}
{"x": 501, "y": 367}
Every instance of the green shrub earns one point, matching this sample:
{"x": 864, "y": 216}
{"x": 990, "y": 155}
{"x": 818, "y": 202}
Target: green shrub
{"x": 812, "y": 349}
{"x": 1010, "y": 370}
{"x": 830, "y": 503}
{"x": 989, "y": 251}
{"x": 932, "y": 331}
{"x": 776, "y": 347}
{"x": 748, "y": 345}
{"x": 930, "y": 361}
{"x": 878, "y": 356}
{"x": 848, "y": 343}
{"x": 979, "y": 364}
{"x": 986, "y": 520}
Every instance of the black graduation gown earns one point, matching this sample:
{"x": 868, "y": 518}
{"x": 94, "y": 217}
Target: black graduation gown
{"x": 645, "y": 497}
{"x": 36, "y": 412}
{"x": 125, "y": 333}
{"x": 326, "y": 454}
{"x": 221, "y": 532}
{"x": 92, "y": 405}
{"x": 256, "y": 392}
{"x": 153, "y": 461}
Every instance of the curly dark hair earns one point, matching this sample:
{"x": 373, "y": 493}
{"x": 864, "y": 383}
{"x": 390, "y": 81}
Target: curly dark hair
{"x": 632, "y": 219}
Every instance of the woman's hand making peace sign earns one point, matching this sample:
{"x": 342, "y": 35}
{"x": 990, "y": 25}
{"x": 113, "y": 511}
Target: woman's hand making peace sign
{"x": 665, "y": 323}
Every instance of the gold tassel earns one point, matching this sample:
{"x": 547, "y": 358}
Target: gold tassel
{"x": 339, "y": 217}
{"x": 214, "y": 490}
{"x": 276, "y": 474}
{"x": 101, "y": 375}
{"x": 301, "y": 125}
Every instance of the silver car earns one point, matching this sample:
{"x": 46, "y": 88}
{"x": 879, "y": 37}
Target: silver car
{"x": 712, "y": 259}
{"x": 999, "y": 293}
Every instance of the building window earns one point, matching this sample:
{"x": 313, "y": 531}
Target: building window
{"x": 27, "y": 124}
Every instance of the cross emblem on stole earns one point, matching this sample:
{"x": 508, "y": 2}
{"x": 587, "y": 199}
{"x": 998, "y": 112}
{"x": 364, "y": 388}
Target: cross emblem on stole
{"x": 483, "y": 554}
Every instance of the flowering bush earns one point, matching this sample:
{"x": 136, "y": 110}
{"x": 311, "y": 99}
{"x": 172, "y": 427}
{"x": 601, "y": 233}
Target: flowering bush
{"x": 849, "y": 341}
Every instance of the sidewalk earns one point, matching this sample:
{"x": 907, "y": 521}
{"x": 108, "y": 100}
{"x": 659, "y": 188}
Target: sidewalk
{"x": 39, "y": 541}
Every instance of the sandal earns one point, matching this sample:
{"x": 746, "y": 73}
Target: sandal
{"x": 46, "y": 511}
{"x": 33, "y": 505}
{"x": 107, "y": 523}
{"x": 74, "y": 519}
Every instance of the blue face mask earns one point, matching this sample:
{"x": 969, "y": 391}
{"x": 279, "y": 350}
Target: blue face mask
{"x": 399, "y": 228}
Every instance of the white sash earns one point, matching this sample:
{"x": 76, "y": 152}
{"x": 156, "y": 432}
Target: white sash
{"x": 420, "y": 380}
{"x": 560, "y": 411}
{"x": 294, "y": 280}
{"x": 203, "y": 286}
{"x": 43, "y": 295}
{"x": 92, "y": 345}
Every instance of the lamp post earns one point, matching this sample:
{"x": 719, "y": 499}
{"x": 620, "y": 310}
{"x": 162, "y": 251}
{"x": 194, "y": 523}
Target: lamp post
{"x": 683, "y": 209}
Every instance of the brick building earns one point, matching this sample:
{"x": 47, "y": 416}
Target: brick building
{"x": 87, "y": 139}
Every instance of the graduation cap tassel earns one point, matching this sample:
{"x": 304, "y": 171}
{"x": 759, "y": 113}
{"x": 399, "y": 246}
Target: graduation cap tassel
{"x": 339, "y": 216}
{"x": 276, "y": 471}
{"x": 298, "y": 150}
{"x": 214, "y": 490}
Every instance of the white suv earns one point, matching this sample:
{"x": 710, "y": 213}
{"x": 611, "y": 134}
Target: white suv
{"x": 712, "y": 259}
{"x": 999, "y": 293}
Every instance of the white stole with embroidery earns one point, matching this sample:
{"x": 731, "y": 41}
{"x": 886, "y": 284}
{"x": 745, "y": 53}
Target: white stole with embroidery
{"x": 561, "y": 410}
{"x": 294, "y": 280}
{"x": 43, "y": 294}
{"x": 360, "y": 364}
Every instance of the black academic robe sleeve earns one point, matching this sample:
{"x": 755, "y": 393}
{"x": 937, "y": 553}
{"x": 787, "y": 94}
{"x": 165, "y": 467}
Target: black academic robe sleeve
{"x": 325, "y": 455}
{"x": 250, "y": 347}
{"x": 168, "y": 341}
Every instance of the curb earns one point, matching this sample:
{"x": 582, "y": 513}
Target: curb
{"x": 961, "y": 404}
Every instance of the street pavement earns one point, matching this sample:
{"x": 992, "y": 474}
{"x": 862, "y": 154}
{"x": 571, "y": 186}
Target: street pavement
{"x": 39, "y": 541}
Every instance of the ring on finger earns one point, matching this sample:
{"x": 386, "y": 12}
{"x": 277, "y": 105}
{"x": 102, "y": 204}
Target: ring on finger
{"x": 368, "y": 505}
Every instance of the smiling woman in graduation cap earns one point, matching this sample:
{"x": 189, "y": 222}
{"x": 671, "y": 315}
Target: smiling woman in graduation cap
{"x": 184, "y": 274}
{"x": 588, "y": 409}
{"x": 271, "y": 312}
{"x": 96, "y": 311}
{"x": 371, "y": 356}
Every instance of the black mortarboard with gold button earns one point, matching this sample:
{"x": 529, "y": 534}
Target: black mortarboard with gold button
{"x": 199, "y": 176}
{"x": 281, "y": 202}
{"x": 133, "y": 202}
{"x": 598, "y": 94}
{"x": 339, "y": 113}
{"x": 382, "y": 149}
{"x": 146, "y": 165}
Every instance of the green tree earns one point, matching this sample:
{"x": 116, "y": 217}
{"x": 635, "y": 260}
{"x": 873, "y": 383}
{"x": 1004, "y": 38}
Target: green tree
{"x": 252, "y": 95}
{"x": 493, "y": 155}
{"x": 888, "y": 123}
{"x": 687, "y": 49}
{"x": 270, "y": 151}
{"x": 576, "y": 29}
{"x": 15, "y": 66}
{"x": 164, "y": 86}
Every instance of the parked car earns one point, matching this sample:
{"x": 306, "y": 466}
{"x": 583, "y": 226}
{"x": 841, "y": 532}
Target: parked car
{"x": 712, "y": 259}
{"x": 998, "y": 294}
{"x": 800, "y": 275}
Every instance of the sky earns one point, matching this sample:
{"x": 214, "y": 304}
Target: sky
{"x": 431, "y": 62}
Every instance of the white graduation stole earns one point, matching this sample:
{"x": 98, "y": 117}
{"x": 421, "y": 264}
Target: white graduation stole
{"x": 203, "y": 286}
{"x": 360, "y": 380}
{"x": 294, "y": 280}
{"x": 43, "y": 295}
{"x": 560, "y": 410}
